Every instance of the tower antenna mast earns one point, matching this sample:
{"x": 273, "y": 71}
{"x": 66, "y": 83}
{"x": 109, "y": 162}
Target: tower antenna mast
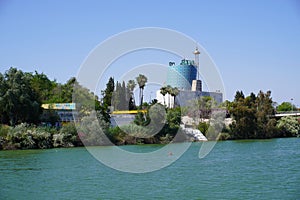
{"x": 197, "y": 52}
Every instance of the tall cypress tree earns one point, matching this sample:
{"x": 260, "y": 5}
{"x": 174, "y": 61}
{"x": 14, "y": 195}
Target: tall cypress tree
{"x": 108, "y": 93}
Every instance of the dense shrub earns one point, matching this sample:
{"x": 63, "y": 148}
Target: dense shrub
{"x": 67, "y": 136}
{"x": 93, "y": 131}
{"x": 203, "y": 127}
{"x": 24, "y": 136}
{"x": 289, "y": 127}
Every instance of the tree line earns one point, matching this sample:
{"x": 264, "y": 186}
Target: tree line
{"x": 253, "y": 116}
{"x": 22, "y": 93}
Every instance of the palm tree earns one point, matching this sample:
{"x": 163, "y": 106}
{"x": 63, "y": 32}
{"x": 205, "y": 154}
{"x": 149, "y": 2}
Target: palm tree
{"x": 142, "y": 80}
{"x": 163, "y": 91}
{"x": 130, "y": 86}
{"x": 174, "y": 92}
{"x": 169, "y": 90}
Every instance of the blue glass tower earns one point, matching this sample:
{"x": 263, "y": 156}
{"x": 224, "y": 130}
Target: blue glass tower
{"x": 182, "y": 75}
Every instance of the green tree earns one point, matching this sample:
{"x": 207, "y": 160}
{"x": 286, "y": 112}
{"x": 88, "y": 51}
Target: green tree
{"x": 93, "y": 130}
{"x": 124, "y": 97}
{"x": 169, "y": 91}
{"x": 174, "y": 117}
{"x": 201, "y": 107}
{"x": 243, "y": 111}
{"x": 174, "y": 92}
{"x": 239, "y": 96}
{"x": 20, "y": 102}
{"x": 265, "y": 109}
{"x": 163, "y": 91}
{"x": 108, "y": 92}
{"x": 68, "y": 90}
{"x": 285, "y": 106}
{"x": 56, "y": 93}
{"x": 141, "y": 80}
{"x": 121, "y": 97}
{"x": 86, "y": 101}
{"x": 130, "y": 87}
{"x": 3, "y": 89}
{"x": 42, "y": 86}
{"x": 252, "y": 116}
{"x": 244, "y": 125}
{"x": 63, "y": 93}
{"x": 116, "y": 97}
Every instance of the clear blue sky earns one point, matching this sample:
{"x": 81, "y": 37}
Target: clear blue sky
{"x": 255, "y": 44}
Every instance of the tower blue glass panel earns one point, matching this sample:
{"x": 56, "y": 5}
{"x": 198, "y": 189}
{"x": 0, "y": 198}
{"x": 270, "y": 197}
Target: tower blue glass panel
{"x": 182, "y": 75}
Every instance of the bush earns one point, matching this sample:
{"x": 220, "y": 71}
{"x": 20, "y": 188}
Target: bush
{"x": 41, "y": 138}
{"x": 67, "y": 137}
{"x": 289, "y": 126}
{"x": 93, "y": 131}
{"x": 203, "y": 127}
{"x": 4, "y": 129}
{"x": 224, "y": 136}
{"x": 20, "y": 137}
{"x": 116, "y": 135}
{"x": 24, "y": 136}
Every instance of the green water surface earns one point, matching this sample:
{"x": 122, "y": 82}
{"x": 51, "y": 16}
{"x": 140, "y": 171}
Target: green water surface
{"x": 256, "y": 169}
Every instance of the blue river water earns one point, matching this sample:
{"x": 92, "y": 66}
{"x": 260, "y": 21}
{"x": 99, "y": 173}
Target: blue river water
{"x": 247, "y": 169}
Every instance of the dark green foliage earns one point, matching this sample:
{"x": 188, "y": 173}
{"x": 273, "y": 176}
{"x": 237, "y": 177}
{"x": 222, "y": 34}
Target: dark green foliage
{"x": 67, "y": 136}
{"x": 103, "y": 115}
{"x": 154, "y": 126}
{"x": 19, "y": 102}
{"x": 239, "y": 96}
{"x": 130, "y": 88}
{"x": 174, "y": 92}
{"x": 174, "y": 117}
{"x": 224, "y": 136}
{"x": 4, "y": 130}
{"x": 141, "y": 80}
{"x": 108, "y": 92}
{"x": 142, "y": 119}
{"x": 116, "y": 135}
{"x": 42, "y": 86}
{"x": 203, "y": 127}
{"x": 163, "y": 91}
{"x": 121, "y": 97}
{"x": 252, "y": 116}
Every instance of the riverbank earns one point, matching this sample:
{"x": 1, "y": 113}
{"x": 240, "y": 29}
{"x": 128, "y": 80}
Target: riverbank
{"x": 24, "y": 136}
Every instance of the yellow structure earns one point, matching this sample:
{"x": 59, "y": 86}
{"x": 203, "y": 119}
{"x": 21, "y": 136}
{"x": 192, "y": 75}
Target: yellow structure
{"x": 122, "y": 112}
{"x": 59, "y": 106}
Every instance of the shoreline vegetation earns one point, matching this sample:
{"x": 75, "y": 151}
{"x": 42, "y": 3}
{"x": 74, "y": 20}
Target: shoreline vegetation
{"x": 25, "y": 125}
